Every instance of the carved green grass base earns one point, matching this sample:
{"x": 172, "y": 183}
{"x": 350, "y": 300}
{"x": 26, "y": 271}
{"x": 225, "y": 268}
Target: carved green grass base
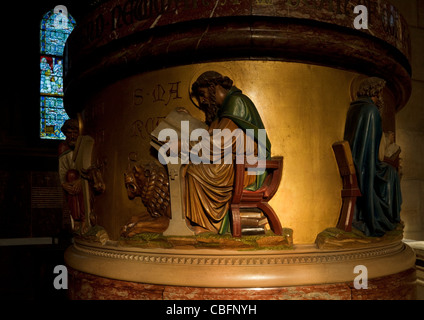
{"x": 269, "y": 241}
{"x": 334, "y": 238}
{"x": 95, "y": 234}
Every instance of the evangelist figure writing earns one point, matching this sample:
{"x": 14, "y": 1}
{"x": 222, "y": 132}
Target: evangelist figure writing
{"x": 378, "y": 210}
{"x": 209, "y": 187}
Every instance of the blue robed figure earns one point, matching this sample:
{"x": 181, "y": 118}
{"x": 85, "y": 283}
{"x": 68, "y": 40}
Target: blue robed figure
{"x": 378, "y": 210}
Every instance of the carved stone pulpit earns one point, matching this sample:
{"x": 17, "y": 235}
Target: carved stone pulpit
{"x": 300, "y": 64}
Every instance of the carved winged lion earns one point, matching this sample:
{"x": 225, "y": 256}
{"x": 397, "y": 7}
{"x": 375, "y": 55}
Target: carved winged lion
{"x": 149, "y": 182}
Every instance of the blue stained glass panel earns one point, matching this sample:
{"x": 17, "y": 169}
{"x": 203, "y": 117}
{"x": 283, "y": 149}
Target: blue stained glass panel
{"x": 51, "y": 72}
{"x": 52, "y": 117}
{"x": 55, "y": 28}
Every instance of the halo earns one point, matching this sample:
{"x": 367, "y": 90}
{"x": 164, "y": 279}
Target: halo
{"x": 225, "y": 71}
{"x": 80, "y": 123}
{"x": 354, "y": 86}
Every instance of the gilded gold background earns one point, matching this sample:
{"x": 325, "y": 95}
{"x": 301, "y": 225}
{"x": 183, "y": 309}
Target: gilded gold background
{"x": 302, "y": 106}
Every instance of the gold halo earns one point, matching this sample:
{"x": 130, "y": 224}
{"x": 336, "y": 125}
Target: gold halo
{"x": 204, "y": 68}
{"x": 80, "y": 123}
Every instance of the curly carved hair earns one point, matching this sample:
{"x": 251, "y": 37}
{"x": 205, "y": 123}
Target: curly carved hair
{"x": 371, "y": 87}
{"x": 211, "y": 78}
{"x": 150, "y": 182}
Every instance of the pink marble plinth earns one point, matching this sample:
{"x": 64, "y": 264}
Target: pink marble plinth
{"x": 84, "y": 286}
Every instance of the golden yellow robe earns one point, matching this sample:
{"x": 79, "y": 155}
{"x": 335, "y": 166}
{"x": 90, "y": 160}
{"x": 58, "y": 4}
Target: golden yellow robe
{"x": 209, "y": 187}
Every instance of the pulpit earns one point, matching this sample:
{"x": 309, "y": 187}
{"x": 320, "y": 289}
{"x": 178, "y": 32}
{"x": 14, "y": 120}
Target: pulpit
{"x": 132, "y": 62}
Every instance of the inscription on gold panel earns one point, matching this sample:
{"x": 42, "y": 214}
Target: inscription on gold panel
{"x": 154, "y": 97}
{"x": 143, "y": 128}
{"x": 152, "y": 102}
{"x": 161, "y": 93}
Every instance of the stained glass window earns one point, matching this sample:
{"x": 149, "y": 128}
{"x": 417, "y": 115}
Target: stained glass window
{"x": 56, "y": 26}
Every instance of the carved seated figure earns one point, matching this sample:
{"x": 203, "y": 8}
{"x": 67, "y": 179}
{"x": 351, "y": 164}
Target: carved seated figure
{"x": 377, "y": 211}
{"x": 214, "y": 192}
{"x": 209, "y": 187}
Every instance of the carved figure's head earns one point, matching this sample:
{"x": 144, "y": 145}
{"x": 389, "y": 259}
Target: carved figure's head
{"x": 71, "y": 131}
{"x": 134, "y": 180}
{"x": 210, "y": 90}
{"x": 373, "y": 88}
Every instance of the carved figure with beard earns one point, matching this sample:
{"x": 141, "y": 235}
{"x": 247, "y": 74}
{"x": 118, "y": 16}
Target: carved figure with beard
{"x": 209, "y": 187}
{"x": 378, "y": 210}
{"x": 70, "y": 178}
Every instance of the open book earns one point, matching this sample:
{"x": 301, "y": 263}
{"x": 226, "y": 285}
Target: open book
{"x": 173, "y": 121}
{"x": 177, "y": 225}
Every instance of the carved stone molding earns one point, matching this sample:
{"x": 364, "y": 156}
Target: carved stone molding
{"x": 217, "y": 258}
{"x": 112, "y": 42}
{"x": 305, "y": 265}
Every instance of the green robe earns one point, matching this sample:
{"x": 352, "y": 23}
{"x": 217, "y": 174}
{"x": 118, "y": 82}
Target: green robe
{"x": 378, "y": 210}
{"x": 209, "y": 187}
{"x": 240, "y": 109}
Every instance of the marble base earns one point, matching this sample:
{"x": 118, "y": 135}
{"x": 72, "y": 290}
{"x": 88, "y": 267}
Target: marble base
{"x": 83, "y": 286}
{"x": 305, "y": 273}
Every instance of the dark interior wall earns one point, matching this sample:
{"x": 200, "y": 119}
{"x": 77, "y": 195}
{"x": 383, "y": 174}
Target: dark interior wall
{"x": 30, "y": 193}
{"x": 28, "y": 165}
{"x": 19, "y": 125}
